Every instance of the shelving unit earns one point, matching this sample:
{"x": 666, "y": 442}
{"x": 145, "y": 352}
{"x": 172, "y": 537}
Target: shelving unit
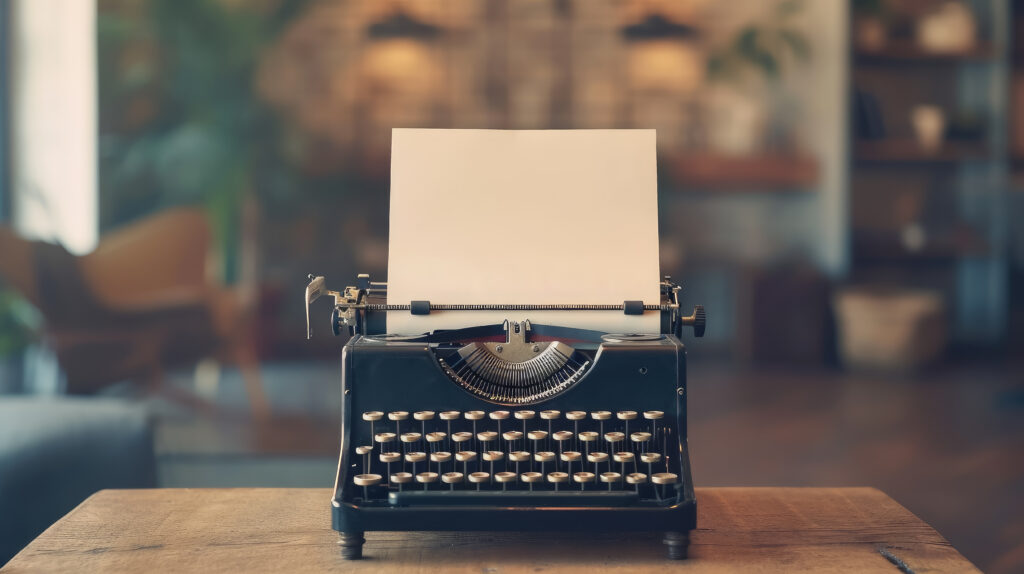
{"x": 769, "y": 172}
{"x": 948, "y": 201}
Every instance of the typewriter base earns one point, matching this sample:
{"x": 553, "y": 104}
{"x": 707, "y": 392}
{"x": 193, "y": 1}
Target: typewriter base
{"x": 352, "y": 521}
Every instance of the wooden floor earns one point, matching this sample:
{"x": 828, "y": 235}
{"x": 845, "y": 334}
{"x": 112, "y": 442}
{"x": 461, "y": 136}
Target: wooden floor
{"x": 948, "y": 445}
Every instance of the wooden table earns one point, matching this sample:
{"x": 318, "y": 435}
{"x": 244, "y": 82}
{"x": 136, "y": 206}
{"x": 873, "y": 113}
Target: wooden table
{"x": 288, "y": 530}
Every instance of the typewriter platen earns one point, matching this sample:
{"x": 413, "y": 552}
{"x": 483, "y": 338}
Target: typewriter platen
{"x": 511, "y": 427}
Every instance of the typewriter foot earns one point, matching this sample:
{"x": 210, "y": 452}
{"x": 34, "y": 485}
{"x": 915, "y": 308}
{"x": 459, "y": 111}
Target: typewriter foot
{"x": 351, "y": 545}
{"x": 677, "y": 544}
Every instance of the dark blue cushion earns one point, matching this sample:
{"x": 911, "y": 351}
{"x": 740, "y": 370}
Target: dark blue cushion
{"x": 55, "y": 452}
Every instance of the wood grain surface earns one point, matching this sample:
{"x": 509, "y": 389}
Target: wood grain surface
{"x": 288, "y": 530}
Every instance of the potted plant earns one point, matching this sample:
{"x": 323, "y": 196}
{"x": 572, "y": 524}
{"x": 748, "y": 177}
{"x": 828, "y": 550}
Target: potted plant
{"x": 751, "y": 63}
{"x": 19, "y": 327}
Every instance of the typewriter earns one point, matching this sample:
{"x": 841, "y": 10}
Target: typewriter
{"x": 513, "y": 426}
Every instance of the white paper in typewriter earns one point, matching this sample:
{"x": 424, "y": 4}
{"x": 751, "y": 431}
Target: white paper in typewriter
{"x": 523, "y": 217}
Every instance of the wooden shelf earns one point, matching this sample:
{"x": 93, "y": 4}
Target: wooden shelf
{"x": 769, "y": 172}
{"x": 886, "y": 247}
{"x": 909, "y": 151}
{"x": 908, "y": 53}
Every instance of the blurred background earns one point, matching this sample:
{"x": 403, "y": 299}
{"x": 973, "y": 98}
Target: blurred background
{"x": 841, "y": 184}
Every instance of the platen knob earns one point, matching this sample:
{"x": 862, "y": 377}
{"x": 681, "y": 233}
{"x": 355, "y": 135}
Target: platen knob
{"x": 698, "y": 320}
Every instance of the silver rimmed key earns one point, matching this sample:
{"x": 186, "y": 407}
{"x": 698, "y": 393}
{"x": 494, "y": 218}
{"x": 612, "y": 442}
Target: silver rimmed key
{"x": 654, "y": 417}
{"x": 524, "y": 416}
{"x": 557, "y": 478}
{"x": 641, "y": 438}
{"x": 486, "y": 438}
{"x": 664, "y": 479}
{"x": 597, "y": 458}
{"x": 372, "y": 417}
{"x": 504, "y": 478}
{"x": 611, "y": 478}
{"x": 390, "y": 457}
{"x": 561, "y": 437}
{"x": 543, "y": 457}
{"x": 398, "y": 417}
{"x": 499, "y": 416}
{"x": 474, "y": 416}
{"x": 636, "y": 479}
{"x": 448, "y": 417}
{"x": 624, "y": 458}
{"x": 366, "y": 481}
{"x": 479, "y": 478}
{"x": 626, "y": 416}
{"x": 511, "y": 437}
{"x": 613, "y": 439}
{"x": 576, "y": 417}
{"x": 415, "y": 457}
{"x": 550, "y": 415}
{"x": 569, "y": 457}
{"x": 465, "y": 457}
{"x": 536, "y": 435}
{"x": 517, "y": 457}
{"x": 531, "y": 478}
{"x": 601, "y": 416}
{"x": 426, "y": 478}
{"x": 583, "y": 478}
{"x": 365, "y": 452}
{"x": 423, "y": 417}
{"x": 451, "y": 479}
{"x": 588, "y": 437}
{"x": 433, "y": 438}
{"x": 650, "y": 458}
{"x": 440, "y": 457}
{"x": 491, "y": 456}
{"x": 401, "y": 478}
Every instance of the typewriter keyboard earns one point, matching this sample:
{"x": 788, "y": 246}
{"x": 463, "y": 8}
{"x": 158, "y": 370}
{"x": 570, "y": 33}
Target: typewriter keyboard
{"x": 514, "y": 453}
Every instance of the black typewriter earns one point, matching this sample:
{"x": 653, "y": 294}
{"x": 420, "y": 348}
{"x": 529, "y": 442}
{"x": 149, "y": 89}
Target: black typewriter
{"x": 513, "y": 426}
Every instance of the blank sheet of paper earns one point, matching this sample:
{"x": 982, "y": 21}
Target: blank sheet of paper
{"x": 544, "y": 217}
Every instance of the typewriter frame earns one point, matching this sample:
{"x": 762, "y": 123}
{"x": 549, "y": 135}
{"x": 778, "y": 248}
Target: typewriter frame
{"x": 662, "y": 361}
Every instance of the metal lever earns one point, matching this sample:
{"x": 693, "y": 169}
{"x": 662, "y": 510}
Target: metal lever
{"x": 314, "y": 290}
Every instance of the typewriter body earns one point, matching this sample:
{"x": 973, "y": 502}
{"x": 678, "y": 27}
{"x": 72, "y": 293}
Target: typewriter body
{"x": 511, "y": 427}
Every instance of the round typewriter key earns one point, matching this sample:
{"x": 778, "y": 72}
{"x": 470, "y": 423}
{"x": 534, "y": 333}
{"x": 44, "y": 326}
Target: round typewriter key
{"x": 562, "y": 435}
{"x": 435, "y": 437}
{"x": 650, "y": 457}
{"x": 411, "y": 437}
{"x": 611, "y": 478}
{"x": 373, "y": 416}
{"x": 504, "y": 478}
{"x": 525, "y": 416}
{"x": 450, "y": 415}
{"x": 384, "y": 437}
{"x": 487, "y": 436}
{"x": 531, "y": 478}
{"x": 543, "y": 457}
{"x": 462, "y": 436}
{"x": 624, "y": 458}
{"x": 597, "y": 458}
{"x": 425, "y": 478}
{"x": 576, "y": 417}
{"x": 398, "y": 415}
{"x": 550, "y": 415}
{"x": 588, "y": 437}
{"x": 499, "y": 416}
{"x": 583, "y": 478}
{"x": 654, "y": 416}
{"x": 642, "y": 438}
{"x": 415, "y": 456}
{"x": 569, "y": 457}
{"x": 491, "y": 456}
{"x": 423, "y": 415}
{"x": 479, "y": 478}
{"x": 557, "y": 478}
{"x": 390, "y": 457}
{"x": 440, "y": 457}
{"x": 366, "y": 481}
{"x": 664, "y": 478}
{"x": 451, "y": 479}
{"x": 365, "y": 452}
{"x": 400, "y": 479}
{"x": 465, "y": 456}
{"x": 517, "y": 457}
{"x": 636, "y": 478}
{"x": 475, "y": 415}
{"x": 614, "y": 437}
{"x": 601, "y": 415}
{"x": 627, "y": 415}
